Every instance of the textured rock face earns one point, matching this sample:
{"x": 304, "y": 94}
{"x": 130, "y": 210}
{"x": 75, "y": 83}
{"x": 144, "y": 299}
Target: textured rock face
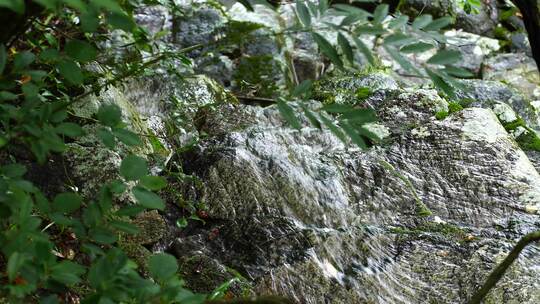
{"x": 302, "y": 215}
{"x": 485, "y": 93}
{"x": 517, "y": 70}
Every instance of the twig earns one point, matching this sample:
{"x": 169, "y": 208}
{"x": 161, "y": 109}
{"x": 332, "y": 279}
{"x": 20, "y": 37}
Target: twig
{"x": 496, "y": 275}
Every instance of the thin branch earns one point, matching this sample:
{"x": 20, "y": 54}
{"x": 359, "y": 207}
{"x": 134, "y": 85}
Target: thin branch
{"x": 496, "y": 275}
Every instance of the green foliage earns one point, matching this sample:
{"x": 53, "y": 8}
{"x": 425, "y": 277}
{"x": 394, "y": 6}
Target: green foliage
{"x": 41, "y": 76}
{"x": 398, "y": 36}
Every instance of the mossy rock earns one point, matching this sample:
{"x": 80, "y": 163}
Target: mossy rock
{"x": 152, "y": 228}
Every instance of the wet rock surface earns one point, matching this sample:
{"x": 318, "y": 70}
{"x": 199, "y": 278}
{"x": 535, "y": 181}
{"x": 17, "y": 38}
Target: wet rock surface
{"x": 300, "y": 214}
{"x": 421, "y": 218}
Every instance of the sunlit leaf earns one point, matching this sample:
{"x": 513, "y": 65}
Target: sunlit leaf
{"x": 444, "y": 57}
{"x": 439, "y": 23}
{"x": 418, "y": 47}
{"x": 421, "y": 21}
{"x": 381, "y": 11}
{"x": 303, "y": 13}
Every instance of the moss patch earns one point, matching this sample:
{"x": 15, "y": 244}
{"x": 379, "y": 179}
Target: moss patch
{"x": 527, "y": 139}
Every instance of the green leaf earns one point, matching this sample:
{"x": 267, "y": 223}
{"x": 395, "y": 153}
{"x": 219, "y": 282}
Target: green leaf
{"x": 303, "y": 13}
{"x": 117, "y": 186}
{"x": 49, "y": 55}
{"x": 153, "y": 182}
{"x": 133, "y": 167}
{"x": 370, "y": 30}
{"x": 71, "y": 71}
{"x": 181, "y": 222}
{"x": 127, "y": 137}
{"x": 439, "y": 23}
{"x": 303, "y": 89}
{"x": 353, "y": 135}
{"x": 109, "y": 115}
{"x": 348, "y": 10}
{"x": 67, "y": 202}
{"x": 13, "y": 170}
{"x": 103, "y": 236}
{"x": 3, "y": 58}
{"x": 381, "y": 11}
{"x": 89, "y": 21}
{"x": 49, "y": 4}
{"x": 108, "y": 5}
{"x": 70, "y": 129}
{"x": 5, "y": 95}
{"x": 3, "y": 140}
{"x": 121, "y": 21}
{"x": 220, "y": 291}
{"x": 15, "y": 262}
{"x": 457, "y": 72}
{"x": 80, "y": 50}
{"x": 440, "y": 83}
{"x": 147, "y": 198}
{"x": 421, "y": 21}
{"x": 15, "y": 5}
{"x": 130, "y": 210}
{"x": 418, "y": 47}
{"x": 328, "y": 50}
{"x": 288, "y": 114}
{"x": 323, "y": 6}
{"x": 107, "y": 138}
{"x": 23, "y": 60}
{"x": 310, "y": 116}
{"x": 77, "y": 4}
{"x": 346, "y": 48}
{"x": 402, "y": 61}
{"x": 398, "y": 22}
{"x": 124, "y": 226}
{"x": 362, "y": 47}
{"x": 332, "y": 127}
{"x": 444, "y": 57}
{"x": 162, "y": 266}
{"x": 398, "y": 39}
{"x": 359, "y": 116}
{"x": 362, "y": 93}
{"x": 67, "y": 272}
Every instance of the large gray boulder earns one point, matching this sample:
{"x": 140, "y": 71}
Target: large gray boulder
{"x": 422, "y": 219}
{"x": 517, "y": 70}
